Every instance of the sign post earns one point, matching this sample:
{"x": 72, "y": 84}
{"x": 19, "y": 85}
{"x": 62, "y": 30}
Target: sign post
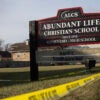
{"x": 34, "y": 76}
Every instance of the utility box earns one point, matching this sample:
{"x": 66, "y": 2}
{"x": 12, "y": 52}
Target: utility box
{"x": 90, "y": 63}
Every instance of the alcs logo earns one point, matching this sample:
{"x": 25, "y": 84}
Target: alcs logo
{"x": 67, "y": 14}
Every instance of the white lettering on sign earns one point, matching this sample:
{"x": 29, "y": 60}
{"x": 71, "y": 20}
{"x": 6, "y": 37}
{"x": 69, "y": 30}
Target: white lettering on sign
{"x": 70, "y": 27}
{"x": 61, "y": 25}
{"x": 76, "y": 40}
{"x": 91, "y": 22}
{"x": 67, "y": 14}
{"x": 70, "y": 31}
{"x": 70, "y": 24}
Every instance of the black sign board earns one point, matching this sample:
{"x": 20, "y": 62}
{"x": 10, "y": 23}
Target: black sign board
{"x": 69, "y": 27}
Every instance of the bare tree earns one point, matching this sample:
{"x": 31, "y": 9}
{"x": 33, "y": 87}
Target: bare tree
{"x": 7, "y": 47}
{"x": 1, "y": 44}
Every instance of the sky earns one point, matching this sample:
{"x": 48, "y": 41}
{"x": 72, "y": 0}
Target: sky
{"x": 16, "y": 14}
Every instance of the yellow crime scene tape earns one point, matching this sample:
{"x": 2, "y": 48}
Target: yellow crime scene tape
{"x": 54, "y": 93}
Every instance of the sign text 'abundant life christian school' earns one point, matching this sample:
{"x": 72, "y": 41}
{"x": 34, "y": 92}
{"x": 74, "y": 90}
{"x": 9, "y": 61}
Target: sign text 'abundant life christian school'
{"x": 69, "y": 27}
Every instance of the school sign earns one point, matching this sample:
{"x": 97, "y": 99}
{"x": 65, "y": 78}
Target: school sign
{"x": 70, "y": 27}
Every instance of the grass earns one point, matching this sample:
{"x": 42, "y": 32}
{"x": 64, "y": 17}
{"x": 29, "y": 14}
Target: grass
{"x": 88, "y": 92}
{"x": 48, "y": 76}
